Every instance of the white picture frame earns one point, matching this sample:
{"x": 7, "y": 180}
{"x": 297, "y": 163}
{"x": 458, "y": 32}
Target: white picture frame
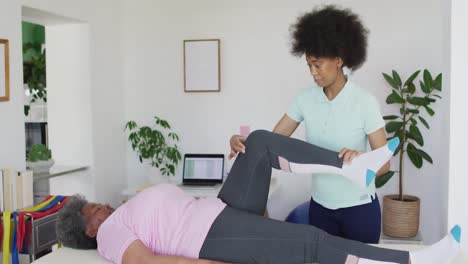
{"x": 202, "y": 70}
{"x": 4, "y": 71}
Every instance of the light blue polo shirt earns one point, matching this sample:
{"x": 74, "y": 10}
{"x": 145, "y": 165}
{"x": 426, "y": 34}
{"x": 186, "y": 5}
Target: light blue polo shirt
{"x": 343, "y": 122}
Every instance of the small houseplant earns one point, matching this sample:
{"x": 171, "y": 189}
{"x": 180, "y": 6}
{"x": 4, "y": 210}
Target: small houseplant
{"x": 401, "y": 212}
{"x": 39, "y": 158}
{"x": 156, "y": 145}
{"x": 34, "y": 73}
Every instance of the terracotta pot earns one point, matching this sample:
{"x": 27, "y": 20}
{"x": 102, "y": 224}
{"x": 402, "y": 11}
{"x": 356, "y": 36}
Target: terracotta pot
{"x": 401, "y": 218}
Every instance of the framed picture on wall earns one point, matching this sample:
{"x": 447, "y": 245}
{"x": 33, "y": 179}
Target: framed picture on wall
{"x": 202, "y": 71}
{"x": 4, "y": 71}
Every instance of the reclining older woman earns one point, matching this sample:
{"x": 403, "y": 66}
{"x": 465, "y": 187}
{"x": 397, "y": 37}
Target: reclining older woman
{"x": 162, "y": 224}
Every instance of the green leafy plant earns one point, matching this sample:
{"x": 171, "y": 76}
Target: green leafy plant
{"x": 35, "y": 71}
{"x": 151, "y": 145}
{"x": 39, "y": 152}
{"x": 412, "y": 102}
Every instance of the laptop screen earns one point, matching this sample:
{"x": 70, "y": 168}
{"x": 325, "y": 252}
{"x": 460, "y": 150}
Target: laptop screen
{"x": 200, "y": 168}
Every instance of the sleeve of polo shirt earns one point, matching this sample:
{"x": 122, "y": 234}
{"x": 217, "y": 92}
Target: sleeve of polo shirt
{"x": 295, "y": 111}
{"x": 113, "y": 240}
{"x": 372, "y": 116}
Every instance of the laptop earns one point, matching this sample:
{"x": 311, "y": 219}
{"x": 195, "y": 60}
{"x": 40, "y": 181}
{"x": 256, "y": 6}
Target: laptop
{"x": 203, "y": 169}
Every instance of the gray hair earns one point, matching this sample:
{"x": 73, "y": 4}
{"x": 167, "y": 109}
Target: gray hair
{"x": 71, "y": 225}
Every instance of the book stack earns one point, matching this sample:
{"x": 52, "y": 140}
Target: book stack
{"x": 16, "y": 189}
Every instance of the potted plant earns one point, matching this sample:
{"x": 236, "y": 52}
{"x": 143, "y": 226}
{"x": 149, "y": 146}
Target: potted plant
{"x": 401, "y": 212}
{"x": 39, "y": 159}
{"x": 34, "y": 74}
{"x": 153, "y": 145}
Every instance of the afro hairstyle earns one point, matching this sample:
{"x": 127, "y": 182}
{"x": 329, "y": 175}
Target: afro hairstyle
{"x": 331, "y": 32}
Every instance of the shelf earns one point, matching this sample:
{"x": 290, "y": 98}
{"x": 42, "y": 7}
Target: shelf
{"x": 56, "y": 171}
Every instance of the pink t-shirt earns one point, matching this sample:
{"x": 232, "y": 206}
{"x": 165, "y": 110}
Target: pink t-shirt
{"x": 164, "y": 218}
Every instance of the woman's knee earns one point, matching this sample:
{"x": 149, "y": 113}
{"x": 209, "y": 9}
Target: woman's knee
{"x": 257, "y": 138}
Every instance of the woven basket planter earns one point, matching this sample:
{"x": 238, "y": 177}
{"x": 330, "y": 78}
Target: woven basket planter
{"x": 401, "y": 218}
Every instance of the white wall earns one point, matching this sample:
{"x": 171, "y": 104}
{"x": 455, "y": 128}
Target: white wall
{"x": 458, "y": 181}
{"x": 12, "y": 141}
{"x": 101, "y": 119}
{"x": 260, "y": 78}
{"x": 69, "y": 93}
{"x": 69, "y": 104}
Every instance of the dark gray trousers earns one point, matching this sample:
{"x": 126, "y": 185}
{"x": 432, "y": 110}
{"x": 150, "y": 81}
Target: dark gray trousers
{"x": 240, "y": 234}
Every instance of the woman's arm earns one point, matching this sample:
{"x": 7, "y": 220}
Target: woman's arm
{"x": 286, "y": 126}
{"x": 378, "y": 139}
{"x": 138, "y": 253}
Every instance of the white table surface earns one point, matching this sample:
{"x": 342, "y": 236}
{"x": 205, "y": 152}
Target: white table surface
{"x": 74, "y": 256}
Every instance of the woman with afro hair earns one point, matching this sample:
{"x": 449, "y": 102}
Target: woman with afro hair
{"x": 338, "y": 115}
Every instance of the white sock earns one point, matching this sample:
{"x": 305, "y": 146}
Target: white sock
{"x": 442, "y": 252}
{"x": 362, "y": 170}
{"x": 369, "y": 261}
{"x": 355, "y": 260}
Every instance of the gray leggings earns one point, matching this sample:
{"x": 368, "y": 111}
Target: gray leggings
{"x": 241, "y": 234}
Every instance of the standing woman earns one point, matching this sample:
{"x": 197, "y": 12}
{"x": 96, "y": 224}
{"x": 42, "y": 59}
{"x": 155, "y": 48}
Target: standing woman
{"x": 338, "y": 115}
